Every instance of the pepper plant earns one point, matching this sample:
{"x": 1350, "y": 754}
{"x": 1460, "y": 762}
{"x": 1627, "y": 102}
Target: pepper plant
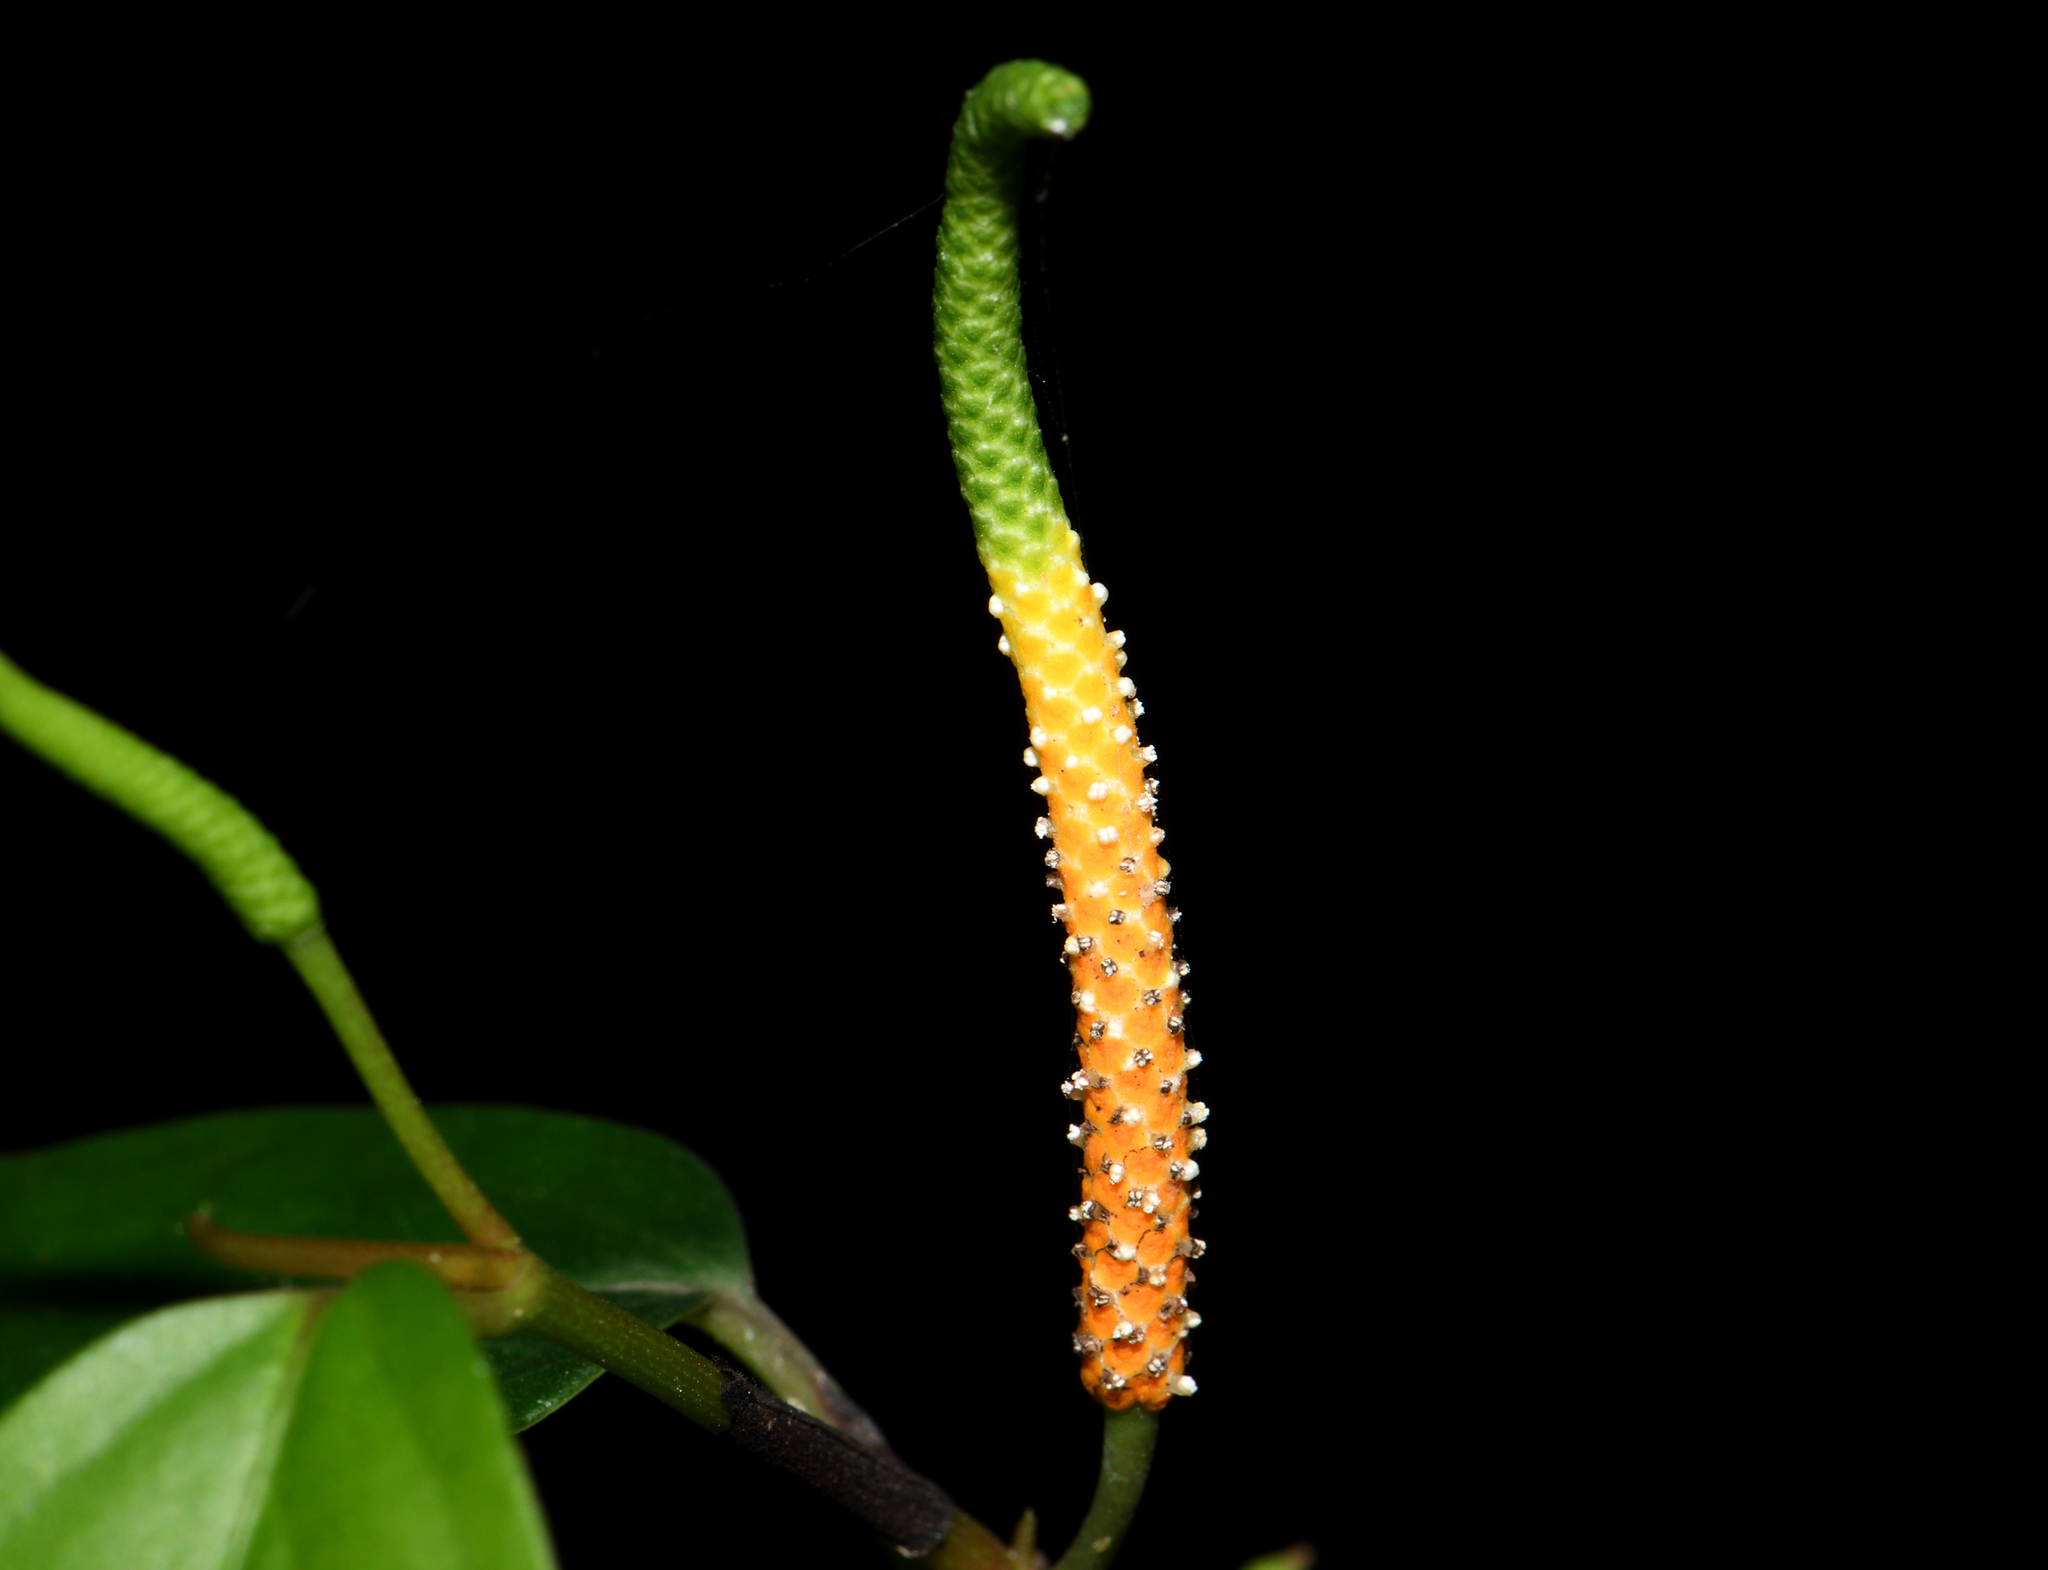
{"x": 208, "y": 1359}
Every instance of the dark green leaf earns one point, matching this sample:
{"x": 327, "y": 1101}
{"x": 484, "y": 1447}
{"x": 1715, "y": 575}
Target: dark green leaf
{"x": 257, "y": 1430}
{"x": 90, "y": 1231}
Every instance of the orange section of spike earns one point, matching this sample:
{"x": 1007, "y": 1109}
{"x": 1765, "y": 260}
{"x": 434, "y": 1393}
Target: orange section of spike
{"x": 1137, "y": 1135}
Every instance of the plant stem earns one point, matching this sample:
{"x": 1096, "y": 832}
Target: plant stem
{"x": 497, "y": 1289}
{"x": 460, "y": 1266}
{"x": 969, "y": 1546}
{"x": 314, "y": 956}
{"x": 651, "y": 1359}
{"x": 879, "y": 1489}
{"x": 749, "y": 1329}
{"x": 1127, "y": 1440}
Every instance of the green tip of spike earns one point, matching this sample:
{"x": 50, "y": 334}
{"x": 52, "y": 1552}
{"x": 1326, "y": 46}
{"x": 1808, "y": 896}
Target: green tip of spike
{"x": 991, "y": 419}
{"x": 1035, "y": 97}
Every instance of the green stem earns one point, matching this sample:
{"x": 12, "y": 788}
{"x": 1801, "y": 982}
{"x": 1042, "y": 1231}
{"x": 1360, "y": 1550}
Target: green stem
{"x": 313, "y": 955}
{"x": 1127, "y": 1441}
{"x": 970, "y": 1546}
{"x": 750, "y": 1330}
{"x": 651, "y": 1359}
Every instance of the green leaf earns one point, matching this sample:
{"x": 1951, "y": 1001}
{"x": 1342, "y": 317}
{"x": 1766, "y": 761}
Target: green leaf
{"x": 398, "y": 1453}
{"x": 146, "y": 1449}
{"x": 90, "y": 1232}
{"x": 258, "y": 1431}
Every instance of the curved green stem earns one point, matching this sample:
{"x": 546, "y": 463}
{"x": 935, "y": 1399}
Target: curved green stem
{"x": 262, "y": 885}
{"x": 977, "y": 309}
{"x": 314, "y": 957}
{"x": 1127, "y": 1441}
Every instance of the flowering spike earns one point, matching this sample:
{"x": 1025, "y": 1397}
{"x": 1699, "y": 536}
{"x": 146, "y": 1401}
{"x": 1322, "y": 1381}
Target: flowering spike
{"x": 240, "y": 857}
{"x": 1132, "y": 1084}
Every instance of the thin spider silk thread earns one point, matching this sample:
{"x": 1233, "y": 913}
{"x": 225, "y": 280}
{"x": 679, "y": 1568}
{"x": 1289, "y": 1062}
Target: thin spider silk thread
{"x": 790, "y": 283}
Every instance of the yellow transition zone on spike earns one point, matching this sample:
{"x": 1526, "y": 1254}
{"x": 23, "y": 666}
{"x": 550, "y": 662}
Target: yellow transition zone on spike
{"x": 1132, "y": 1085}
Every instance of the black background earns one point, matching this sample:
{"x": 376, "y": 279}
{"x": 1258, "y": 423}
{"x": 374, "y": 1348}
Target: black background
{"x": 490, "y": 469}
